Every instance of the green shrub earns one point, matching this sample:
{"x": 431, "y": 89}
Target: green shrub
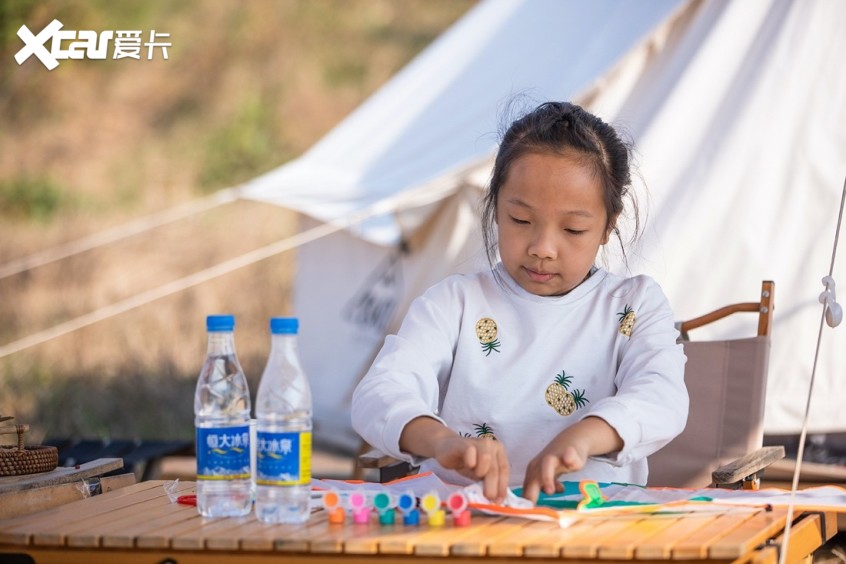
{"x": 243, "y": 148}
{"x": 35, "y": 198}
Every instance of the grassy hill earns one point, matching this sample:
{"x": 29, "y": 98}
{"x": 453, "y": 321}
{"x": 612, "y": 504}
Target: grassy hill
{"x": 93, "y": 145}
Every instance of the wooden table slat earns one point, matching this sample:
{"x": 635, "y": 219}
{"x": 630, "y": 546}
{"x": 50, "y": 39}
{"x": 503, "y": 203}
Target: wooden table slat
{"x": 52, "y": 533}
{"x": 191, "y": 534}
{"x": 660, "y": 546}
{"x": 478, "y": 544}
{"x": 125, "y": 501}
{"x": 89, "y": 532}
{"x": 587, "y": 544}
{"x": 404, "y": 541}
{"x": 550, "y": 544}
{"x": 163, "y": 532}
{"x": 206, "y": 530}
{"x": 697, "y": 544}
{"x": 746, "y": 536}
{"x": 250, "y": 527}
{"x": 258, "y": 536}
{"x": 300, "y": 538}
{"x": 366, "y": 541}
{"x": 624, "y": 544}
{"x": 516, "y": 546}
{"x": 438, "y": 541}
{"x": 125, "y": 536}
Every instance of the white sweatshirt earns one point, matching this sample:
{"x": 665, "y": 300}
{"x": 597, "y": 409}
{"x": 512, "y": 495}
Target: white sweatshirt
{"x": 439, "y": 366}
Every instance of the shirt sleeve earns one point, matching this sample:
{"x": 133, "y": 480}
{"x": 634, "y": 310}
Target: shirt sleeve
{"x": 651, "y": 404}
{"x": 408, "y": 375}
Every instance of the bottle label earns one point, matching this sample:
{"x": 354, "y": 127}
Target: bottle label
{"x": 283, "y": 459}
{"x": 223, "y": 453}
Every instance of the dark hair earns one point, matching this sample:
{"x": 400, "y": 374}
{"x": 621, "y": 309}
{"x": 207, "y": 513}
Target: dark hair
{"x": 564, "y": 128}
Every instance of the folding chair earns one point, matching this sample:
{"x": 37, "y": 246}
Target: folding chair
{"x": 726, "y": 381}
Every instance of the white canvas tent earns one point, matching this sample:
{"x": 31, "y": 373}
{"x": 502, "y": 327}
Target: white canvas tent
{"x": 734, "y": 107}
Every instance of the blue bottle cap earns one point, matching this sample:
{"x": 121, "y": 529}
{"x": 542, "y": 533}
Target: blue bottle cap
{"x": 284, "y": 325}
{"x": 215, "y": 323}
{"x": 411, "y": 518}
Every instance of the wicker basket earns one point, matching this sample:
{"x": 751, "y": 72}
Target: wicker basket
{"x": 19, "y": 460}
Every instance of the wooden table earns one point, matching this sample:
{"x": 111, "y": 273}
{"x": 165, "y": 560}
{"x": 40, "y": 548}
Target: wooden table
{"x": 139, "y": 523}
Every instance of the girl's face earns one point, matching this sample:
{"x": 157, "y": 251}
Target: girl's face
{"x": 551, "y": 220}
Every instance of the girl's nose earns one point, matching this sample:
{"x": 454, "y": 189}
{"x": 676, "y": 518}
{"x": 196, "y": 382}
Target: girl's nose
{"x": 542, "y": 246}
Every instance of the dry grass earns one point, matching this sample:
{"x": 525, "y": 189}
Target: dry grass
{"x": 94, "y": 144}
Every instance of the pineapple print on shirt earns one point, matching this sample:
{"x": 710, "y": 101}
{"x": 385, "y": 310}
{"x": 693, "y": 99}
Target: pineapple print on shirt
{"x": 484, "y": 431}
{"x": 486, "y": 330}
{"x": 559, "y": 397}
{"x": 627, "y": 320}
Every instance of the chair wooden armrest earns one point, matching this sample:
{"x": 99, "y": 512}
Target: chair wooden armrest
{"x": 389, "y": 467}
{"x": 743, "y": 472}
{"x": 764, "y": 308}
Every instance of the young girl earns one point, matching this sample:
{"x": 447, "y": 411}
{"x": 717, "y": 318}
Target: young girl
{"x": 547, "y": 364}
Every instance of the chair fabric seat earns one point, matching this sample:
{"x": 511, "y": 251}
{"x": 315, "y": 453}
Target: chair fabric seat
{"x": 726, "y": 382}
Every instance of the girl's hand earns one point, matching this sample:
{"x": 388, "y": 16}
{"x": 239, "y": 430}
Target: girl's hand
{"x": 568, "y": 452}
{"x": 544, "y": 469}
{"x": 477, "y": 459}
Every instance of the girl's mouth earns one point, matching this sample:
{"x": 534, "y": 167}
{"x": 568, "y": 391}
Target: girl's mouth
{"x": 536, "y": 276}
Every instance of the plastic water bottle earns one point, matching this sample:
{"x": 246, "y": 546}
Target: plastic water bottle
{"x": 222, "y": 422}
{"x": 283, "y": 426}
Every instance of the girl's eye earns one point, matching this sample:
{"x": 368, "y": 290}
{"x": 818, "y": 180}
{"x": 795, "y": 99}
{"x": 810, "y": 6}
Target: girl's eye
{"x": 519, "y": 221}
{"x": 575, "y": 231}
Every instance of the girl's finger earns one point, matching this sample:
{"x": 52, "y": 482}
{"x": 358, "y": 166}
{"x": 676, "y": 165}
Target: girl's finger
{"x": 470, "y": 458}
{"x": 491, "y": 481}
{"x": 549, "y": 469}
{"x": 504, "y": 475}
{"x": 483, "y": 463}
{"x": 531, "y": 489}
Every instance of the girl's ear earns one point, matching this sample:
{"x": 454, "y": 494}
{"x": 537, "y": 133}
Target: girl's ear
{"x": 612, "y": 227}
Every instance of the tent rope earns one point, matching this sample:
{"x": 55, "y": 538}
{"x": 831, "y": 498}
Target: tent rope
{"x": 832, "y": 315}
{"x": 169, "y": 288}
{"x": 101, "y": 238}
{"x": 421, "y": 196}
